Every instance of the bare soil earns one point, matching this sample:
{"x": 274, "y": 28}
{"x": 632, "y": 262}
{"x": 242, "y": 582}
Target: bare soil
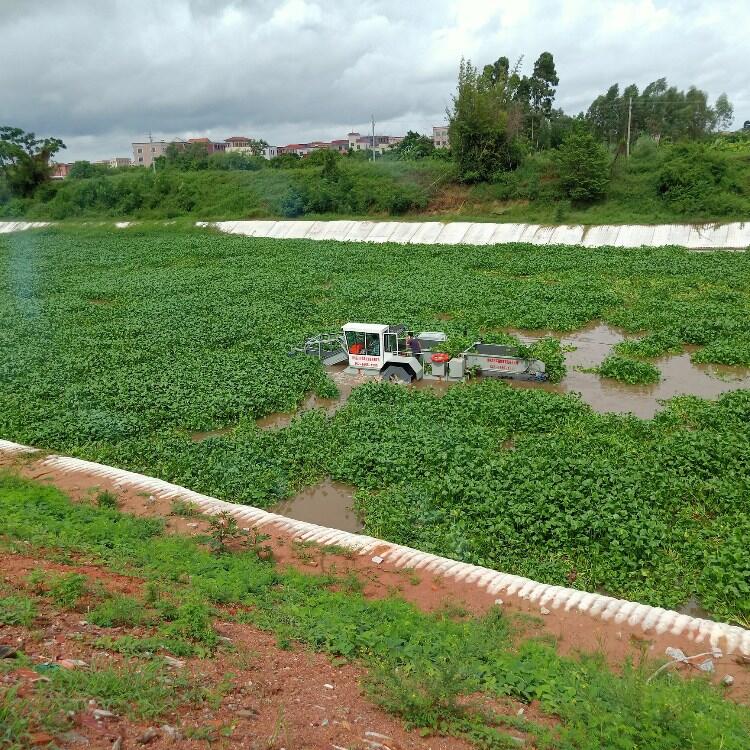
{"x": 272, "y": 699}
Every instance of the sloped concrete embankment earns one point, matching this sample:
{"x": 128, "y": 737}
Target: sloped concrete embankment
{"x": 734, "y": 236}
{"x": 6, "y": 227}
{"x": 729, "y": 639}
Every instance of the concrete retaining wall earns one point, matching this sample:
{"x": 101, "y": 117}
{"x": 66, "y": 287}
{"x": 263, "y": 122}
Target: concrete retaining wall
{"x": 727, "y": 638}
{"x": 19, "y": 226}
{"x": 695, "y": 237}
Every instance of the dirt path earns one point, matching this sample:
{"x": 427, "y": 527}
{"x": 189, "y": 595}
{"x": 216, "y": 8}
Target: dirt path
{"x": 607, "y": 626}
{"x": 272, "y": 699}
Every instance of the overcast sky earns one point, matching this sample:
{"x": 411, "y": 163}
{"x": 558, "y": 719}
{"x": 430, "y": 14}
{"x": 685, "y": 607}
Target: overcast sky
{"x": 102, "y": 73}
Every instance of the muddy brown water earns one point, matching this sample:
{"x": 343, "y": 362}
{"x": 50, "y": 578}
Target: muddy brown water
{"x": 679, "y": 375}
{"x": 199, "y": 437}
{"x": 328, "y": 504}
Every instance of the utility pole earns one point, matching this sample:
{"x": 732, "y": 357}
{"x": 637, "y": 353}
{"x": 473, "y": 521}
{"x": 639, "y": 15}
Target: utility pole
{"x": 630, "y": 117}
{"x": 151, "y": 141}
{"x": 373, "y": 139}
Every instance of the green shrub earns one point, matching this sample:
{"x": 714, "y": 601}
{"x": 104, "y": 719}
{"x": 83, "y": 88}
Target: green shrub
{"x": 107, "y": 499}
{"x": 583, "y": 166}
{"x": 66, "y": 590}
{"x": 697, "y": 180}
{"x": 17, "y": 610}
{"x": 118, "y": 611}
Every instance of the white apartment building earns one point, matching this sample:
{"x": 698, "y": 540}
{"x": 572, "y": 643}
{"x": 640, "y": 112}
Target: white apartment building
{"x": 144, "y": 154}
{"x": 440, "y": 136}
{"x": 381, "y": 143}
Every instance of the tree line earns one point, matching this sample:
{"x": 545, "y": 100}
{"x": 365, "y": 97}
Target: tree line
{"x": 500, "y": 118}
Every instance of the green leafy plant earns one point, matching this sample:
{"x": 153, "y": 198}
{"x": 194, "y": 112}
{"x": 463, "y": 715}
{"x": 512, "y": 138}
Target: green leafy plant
{"x": 108, "y": 499}
{"x": 185, "y": 509}
{"x": 67, "y": 589}
{"x": 17, "y": 610}
{"x": 629, "y": 370}
{"x": 118, "y": 611}
{"x": 223, "y": 529}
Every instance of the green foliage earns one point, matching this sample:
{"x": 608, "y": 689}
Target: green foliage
{"x": 479, "y": 135}
{"x": 725, "y": 351}
{"x": 696, "y": 180}
{"x": 659, "y": 111}
{"x": 117, "y": 611}
{"x": 286, "y": 161}
{"x": 549, "y": 350}
{"x": 221, "y": 191}
{"x": 17, "y": 610}
{"x": 80, "y": 170}
{"x": 66, "y": 590}
{"x": 107, "y": 499}
{"x": 25, "y": 160}
{"x": 236, "y": 160}
{"x": 185, "y": 508}
{"x": 193, "y": 624}
{"x": 223, "y": 529}
{"x": 583, "y": 166}
{"x": 292, "y": 204}
{"x": 653, "y": 345}
{"x": 629, "y": 370}
{"x": 142, "y": 693}
{"x": 413, "y": 146}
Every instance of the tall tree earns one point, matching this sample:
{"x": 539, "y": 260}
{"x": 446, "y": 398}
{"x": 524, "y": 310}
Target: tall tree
{"x": 413, "y": 146}
{"x": 478, "y": 130}
{"x": 542, "y": 90}
{"x": 658, "y": 111}
{"x": 25, "y": 159}
{"x": 724, "y": 112}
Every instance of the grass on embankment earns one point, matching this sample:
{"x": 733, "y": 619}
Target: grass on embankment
{"x": 673, "y": 183}
{"x": 421, "y": 666}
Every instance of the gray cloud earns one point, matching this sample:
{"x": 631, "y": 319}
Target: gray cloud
{"x": 102, "y": 73}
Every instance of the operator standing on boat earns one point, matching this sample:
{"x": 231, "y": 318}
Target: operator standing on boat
{"x": 413, "y": 343}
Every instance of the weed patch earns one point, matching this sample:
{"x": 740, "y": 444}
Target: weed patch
{"x": 629, "y": 370}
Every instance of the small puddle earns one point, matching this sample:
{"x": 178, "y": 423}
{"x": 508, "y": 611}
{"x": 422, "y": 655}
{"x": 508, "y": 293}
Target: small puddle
{"x": 199, "y": 437}
{"x": 693, "y": 608}
{"x": 679, "y": 375}
{"x": 328, "y": 504}
{"x": 344, "y": 382}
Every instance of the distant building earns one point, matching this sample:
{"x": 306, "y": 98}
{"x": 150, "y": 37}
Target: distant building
{"x": 60, "y": 171}
{"x": 301, "y": 149}
{"x": 115, "y": 163}
{"x": 380, "y": 143}
{"x": 341, "y": 145}
{"x": 270, "y": 152}
{"x": 746, "y": 126}
{"x": 211, "y": 147}
{"x": 440, "y": 136}
{"x": 239, "y": 143}
{"x": 144, "y": 154}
